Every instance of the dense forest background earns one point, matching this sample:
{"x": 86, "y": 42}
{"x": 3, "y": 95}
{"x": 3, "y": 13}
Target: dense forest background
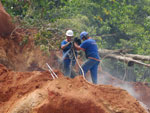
{"x": 115, "y": 24}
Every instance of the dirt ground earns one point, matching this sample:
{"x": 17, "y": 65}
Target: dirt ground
{"x": 137, "y": 89}
{"x": 37, "y": 92}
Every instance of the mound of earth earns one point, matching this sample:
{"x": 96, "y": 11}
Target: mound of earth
{"x": 138, "y": 90}
{"x": 6, "y": 26}
{"x": 37, "y": 92}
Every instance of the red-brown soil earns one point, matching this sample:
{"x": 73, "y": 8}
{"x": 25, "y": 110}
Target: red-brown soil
{"x": 36, "y": 92}
{"x": 6, "y": 26}
{"x": 137, "y": 89}
{"x": 20, "y": 56}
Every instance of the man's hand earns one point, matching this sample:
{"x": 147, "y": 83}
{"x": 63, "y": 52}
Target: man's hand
{"x": 76, "y": 46}
{"x": 68, "y": 43}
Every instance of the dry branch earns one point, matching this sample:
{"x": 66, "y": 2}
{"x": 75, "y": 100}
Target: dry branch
{"x": 104, "y": 52}
{"x": 138, "y": 57}
{"x": 127, "y": 60}
{"x": 121, "y": 55}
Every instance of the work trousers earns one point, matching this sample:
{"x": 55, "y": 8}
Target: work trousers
{"x": 91, "y": 65}
{"x": 67, "y": 66}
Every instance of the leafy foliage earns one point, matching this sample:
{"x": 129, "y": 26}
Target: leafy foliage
{"x": 115, "y": 24}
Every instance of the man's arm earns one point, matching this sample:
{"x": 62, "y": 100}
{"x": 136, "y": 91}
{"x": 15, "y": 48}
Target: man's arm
{"x": 78, "y": 47}
{"x": 64, "y": 46}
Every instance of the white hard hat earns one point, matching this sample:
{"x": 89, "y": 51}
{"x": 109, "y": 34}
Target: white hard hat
{"x": 69, "y": 33}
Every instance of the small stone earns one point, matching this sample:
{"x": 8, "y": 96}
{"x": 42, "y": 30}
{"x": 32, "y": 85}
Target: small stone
{"x": 70, "y": 85}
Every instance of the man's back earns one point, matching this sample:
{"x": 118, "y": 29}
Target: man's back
{"x": 90, "y": 48}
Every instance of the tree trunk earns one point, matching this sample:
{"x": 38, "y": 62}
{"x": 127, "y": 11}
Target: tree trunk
{"x": 120, "y": 55}
{"x": 138, "y": 57}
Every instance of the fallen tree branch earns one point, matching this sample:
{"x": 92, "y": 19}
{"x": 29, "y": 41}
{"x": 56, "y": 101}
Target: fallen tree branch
{"x": 127, "y": 60}
{"x": 121, "y": 55}
{"x": 138, "y": 57}
{"x": 104, "y": 52}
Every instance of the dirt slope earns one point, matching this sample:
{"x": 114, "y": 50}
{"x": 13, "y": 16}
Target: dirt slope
{"x": 36, "y": 92}
{"x": 137, "y": 89}
{"x": 6, "y": 26}
{"x": 17, "y": 51}
{"x": 20, "y": 56}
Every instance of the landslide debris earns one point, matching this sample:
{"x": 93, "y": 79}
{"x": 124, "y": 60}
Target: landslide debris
{"x": 36, "y": 92}
{"x": 138, "y": 90}
{"x": 24, "y": 57}
{"x": 6, "y": 26}
{"x": 17, "y": 49}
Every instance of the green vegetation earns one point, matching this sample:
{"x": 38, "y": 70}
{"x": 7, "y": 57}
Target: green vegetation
{"x": 115, "y": 24}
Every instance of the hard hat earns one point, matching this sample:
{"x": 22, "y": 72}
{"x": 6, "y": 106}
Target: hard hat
{"x": 69, "y": 33}
{"x": 83, "y": 34}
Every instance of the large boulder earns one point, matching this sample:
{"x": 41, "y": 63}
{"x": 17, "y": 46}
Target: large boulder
{"x": 6, "y": 26}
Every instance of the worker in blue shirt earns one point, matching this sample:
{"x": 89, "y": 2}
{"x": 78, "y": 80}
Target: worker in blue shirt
{"x": 91, "y": 51}
{"x": 66, "y": 47}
